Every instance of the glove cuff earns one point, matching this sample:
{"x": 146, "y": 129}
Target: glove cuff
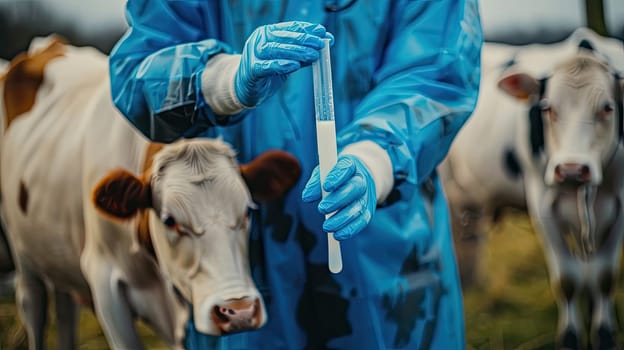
{"x": 217, "y": 84}
{"x": 378, "y": 163}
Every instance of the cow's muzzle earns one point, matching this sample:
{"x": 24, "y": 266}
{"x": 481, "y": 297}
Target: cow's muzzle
{"x": 237, "y": 315}
{"x": 574, "y": 174}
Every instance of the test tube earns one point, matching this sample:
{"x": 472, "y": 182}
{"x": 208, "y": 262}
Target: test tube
{"x": 326, "y": 137}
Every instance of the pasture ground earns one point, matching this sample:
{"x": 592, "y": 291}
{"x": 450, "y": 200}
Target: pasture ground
{"x": 513, "y": 309}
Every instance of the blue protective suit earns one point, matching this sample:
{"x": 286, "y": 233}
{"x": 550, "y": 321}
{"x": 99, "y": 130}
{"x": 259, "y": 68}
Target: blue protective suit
{"x": 406, "y": 76}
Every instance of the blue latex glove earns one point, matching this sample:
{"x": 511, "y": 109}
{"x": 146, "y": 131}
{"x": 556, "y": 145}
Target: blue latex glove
{"x": 351, "y": 194}
{"x": 270, "y": 53}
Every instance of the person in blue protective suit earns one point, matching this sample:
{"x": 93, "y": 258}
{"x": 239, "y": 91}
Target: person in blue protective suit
{"x": 406, "y": 78}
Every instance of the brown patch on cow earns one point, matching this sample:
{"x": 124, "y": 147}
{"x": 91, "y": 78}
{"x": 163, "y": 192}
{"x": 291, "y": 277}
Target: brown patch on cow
{"x": 23, "y": 198}
{"x": 143, "y": 232}
{"x": 120, "y": 195}
{"x": 24, "y": 77}
{"x": 271, "y": 175}
{"x": 150, "y": 152}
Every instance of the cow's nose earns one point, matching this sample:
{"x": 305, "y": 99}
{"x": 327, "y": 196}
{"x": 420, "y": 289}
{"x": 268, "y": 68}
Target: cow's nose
{"x": 237, "y": 315}
{"x": 572, "y": 173}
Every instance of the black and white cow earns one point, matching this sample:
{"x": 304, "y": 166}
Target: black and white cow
{"x": 551, "y": 142}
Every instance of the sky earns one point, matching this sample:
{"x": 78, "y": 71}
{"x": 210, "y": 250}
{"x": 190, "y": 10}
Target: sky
{"x": 90, "y": 14}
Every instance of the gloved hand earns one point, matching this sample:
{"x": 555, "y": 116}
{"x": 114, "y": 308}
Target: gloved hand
{"x": 273, "y": 51}
{"x": 351, "y": 194}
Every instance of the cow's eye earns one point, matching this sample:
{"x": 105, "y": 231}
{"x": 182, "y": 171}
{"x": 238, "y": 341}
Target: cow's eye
{"x": 606, "y": 110}
{"x": 545, "y": 106}
{"x": 173, "y": 225}
{"x": 169, "y": 221}
{"x": 549, "y": 111}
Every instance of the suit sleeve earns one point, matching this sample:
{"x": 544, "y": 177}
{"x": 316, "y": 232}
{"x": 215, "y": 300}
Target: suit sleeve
{"x": 156, "y": 68}
{"x": 425, "y": 88}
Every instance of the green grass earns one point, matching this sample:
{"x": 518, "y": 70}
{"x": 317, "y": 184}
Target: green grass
{"x": 513, "y": 308}
{"x": 90, "y": 335}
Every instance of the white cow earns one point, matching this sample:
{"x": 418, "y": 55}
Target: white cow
{"x": 554, "y": 146}
{"x": 163, "y": 214}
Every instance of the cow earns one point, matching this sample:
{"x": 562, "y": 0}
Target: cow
{"x": 137, "y": 230}
{"x": 484, "y": 183}
{"x": 548, "y": 140}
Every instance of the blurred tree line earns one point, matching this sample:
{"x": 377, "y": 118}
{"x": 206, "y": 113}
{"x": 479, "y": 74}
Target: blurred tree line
{"x": 22, "y": 20}
{"x": 595, "y": 16}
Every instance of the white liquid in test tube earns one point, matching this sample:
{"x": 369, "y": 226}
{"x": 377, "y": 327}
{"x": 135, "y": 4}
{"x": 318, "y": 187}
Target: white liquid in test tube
{"x": 325, "y": 133}
{"x": 326, "y": 137}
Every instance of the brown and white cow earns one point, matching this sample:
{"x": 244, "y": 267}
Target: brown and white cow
{"x": 553, "y": 144}
{"x": 100, "y": 213}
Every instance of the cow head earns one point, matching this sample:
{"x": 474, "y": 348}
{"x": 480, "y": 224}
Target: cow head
{"x": 198, "y": 205}
{"x": 576, "y": 115}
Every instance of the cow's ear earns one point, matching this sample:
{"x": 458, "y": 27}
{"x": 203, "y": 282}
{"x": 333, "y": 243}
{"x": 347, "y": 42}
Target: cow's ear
{"x": 271, "y": 175}
{"x": 120, "y": 194}
{"x": 519, "y": 85}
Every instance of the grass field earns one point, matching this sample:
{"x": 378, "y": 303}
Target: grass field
{"x": 513, "y": 310}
